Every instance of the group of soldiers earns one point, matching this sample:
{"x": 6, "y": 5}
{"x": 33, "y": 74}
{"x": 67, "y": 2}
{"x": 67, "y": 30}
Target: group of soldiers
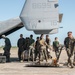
{"x": 39, "y": 46}
{"x": 42, "y": 47}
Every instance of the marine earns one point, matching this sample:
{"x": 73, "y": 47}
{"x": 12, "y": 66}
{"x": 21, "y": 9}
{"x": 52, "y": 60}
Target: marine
{"x": 20, "y": 44}
{"x": 31, "y": 48}
{"x": 69, "y": 43}
{"x": 37, "y": 48}
{"x": 48, "y": 47}
{"x": 56, "y": 47}
{"x": 7, "y": 48}
{"x": 43, "y": 45}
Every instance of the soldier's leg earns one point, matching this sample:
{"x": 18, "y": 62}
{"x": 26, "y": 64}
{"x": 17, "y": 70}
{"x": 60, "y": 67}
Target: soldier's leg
{"x": 48, "y": 54}
{"x": 8, "y": 58}
{"x": 72, "y": 50}
{"x": 74, "y": 58}
{"x": 74, "y": 55}
{"x": 45, "y": 54}
{"x": 39, "y": 57}
{"x": 67, "y": 51}
{"x": 19, "y": 55}
{"x": 22, "y": 55}
{"x": 41, "y": 54}
{"x": 56, "y": 54}
{"x": 29, "y": 52}
{"x": 69, "y": 58}
{"x": 8, "y": 55}
{"x": 36, "y": 53}
{"x": 5, "y": 54}
{"x": 70, "y": 62}
{"x": 33, "y": 54}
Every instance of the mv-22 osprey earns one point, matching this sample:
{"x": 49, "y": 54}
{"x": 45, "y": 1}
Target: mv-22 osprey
{"x": 40, "y": 16}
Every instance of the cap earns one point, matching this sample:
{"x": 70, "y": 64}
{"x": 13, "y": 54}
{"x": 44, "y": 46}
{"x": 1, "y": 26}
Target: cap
{"x": 3, "y": 36}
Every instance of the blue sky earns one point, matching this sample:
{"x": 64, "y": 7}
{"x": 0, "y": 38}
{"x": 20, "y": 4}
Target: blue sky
{"x": 12, "y": 8}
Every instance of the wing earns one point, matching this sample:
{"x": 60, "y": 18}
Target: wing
{"x": 9, "y": 26}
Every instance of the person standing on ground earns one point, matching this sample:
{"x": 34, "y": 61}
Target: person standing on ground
{"x": 56, "y": 46}
{"x": 48, "y": 46}
{"x": 31, "y": 47}
{"x": 7, "y": 48}
{"x": 69, "y": 43}
{"x": 43, "y": 45}
{"x": 20, "y": 44}
{"x": 37, "y": 48}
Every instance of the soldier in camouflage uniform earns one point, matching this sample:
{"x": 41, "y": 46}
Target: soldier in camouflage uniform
{"x": 31, "y": 47}
{"x": 43, "y": 45}
{"x": 7, "y": 48}
{"x": 48, "y": 47}
{"x": 20, "y": 45}
{"x": 37, "y": 48}
{"x": 56, "y": 47}
{"x": 69, "y": 44}
{"x": 74, "y": 57}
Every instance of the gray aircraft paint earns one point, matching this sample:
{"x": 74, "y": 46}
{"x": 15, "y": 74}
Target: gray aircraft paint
{"x": 40, "y": 15}
{"x": 9, "y": 24}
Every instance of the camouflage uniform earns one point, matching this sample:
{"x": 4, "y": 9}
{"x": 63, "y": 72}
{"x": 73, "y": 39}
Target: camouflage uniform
{"x": 20, "y": 44}
{"x": 43, "y": 48}
{"x": 48, "y": 48}
{"x": 56, "y": 48}
{"x": 31, "y": 49}
{"x": 7, "y": 49}
{"x": 69, "y": 44}
{"x": 37, "y": 49}
{"x": 74, "y": 57}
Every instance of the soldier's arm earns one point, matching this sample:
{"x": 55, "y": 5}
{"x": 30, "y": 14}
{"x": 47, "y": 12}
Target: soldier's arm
{"x": 45, "y": 43}
{"x": 34, "y": 44}
{"x": 18, "y": 43}
{"x": 65, "y": 42}
{"x": 66, "y": 45}
{"x": 40, "y": 42}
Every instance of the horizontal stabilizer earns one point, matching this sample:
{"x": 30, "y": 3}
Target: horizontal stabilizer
{"x": 60, "y": 18}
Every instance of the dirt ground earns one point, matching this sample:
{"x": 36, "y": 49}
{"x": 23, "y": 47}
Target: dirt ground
{"x": 17, "y": 68}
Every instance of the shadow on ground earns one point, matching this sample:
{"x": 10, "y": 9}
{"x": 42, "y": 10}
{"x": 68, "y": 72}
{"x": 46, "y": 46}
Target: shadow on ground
{"x": 13, "y": 59}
